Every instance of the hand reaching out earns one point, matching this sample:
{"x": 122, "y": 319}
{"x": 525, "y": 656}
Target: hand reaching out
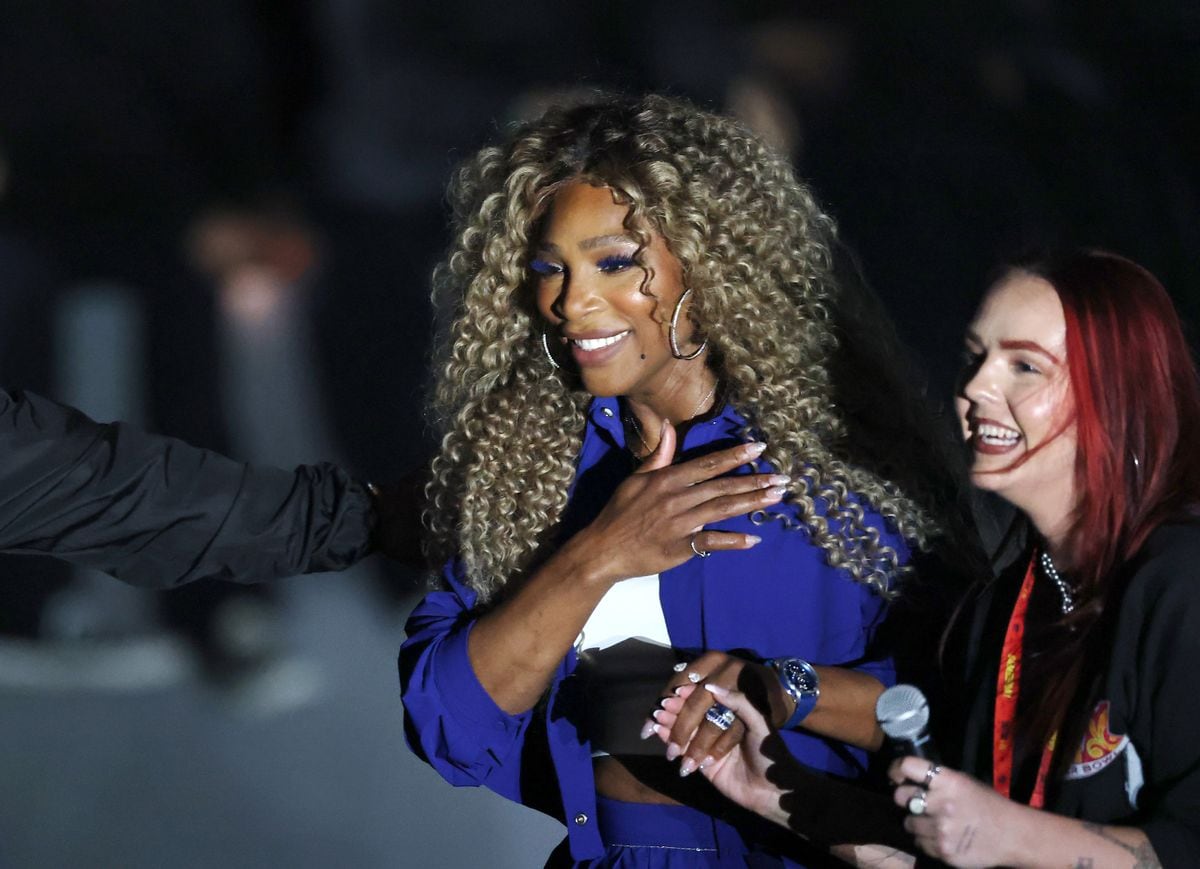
{"x": 740, "y": 773}
{"x": 696, "y": 738}
{"x": 760, "y": 774}
{"x": 398, "y": 518}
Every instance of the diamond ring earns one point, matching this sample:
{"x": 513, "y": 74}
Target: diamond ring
{"x": 720, "y": 716}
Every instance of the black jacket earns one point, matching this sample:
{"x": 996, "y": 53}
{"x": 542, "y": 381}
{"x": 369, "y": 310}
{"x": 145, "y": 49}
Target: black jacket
{"x": 156, "y": 512}
{"x": 1138, "y": 760}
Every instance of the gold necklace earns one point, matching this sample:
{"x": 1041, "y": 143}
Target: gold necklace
{"x": 637, "y": 429}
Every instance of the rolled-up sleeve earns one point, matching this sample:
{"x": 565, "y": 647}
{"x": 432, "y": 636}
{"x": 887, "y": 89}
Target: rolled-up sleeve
{"x": 450, "y": 719}
{"x": 157, "y": 512}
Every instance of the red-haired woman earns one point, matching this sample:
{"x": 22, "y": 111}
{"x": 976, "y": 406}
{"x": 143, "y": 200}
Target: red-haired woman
{"x": 1080, "y": 663}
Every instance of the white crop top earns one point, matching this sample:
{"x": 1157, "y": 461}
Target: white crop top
{"x": 630, "y": 609}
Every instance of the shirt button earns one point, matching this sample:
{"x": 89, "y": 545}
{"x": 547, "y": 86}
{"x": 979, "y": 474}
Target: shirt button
{"x": 607, "y": 411}
{"x": 581, "y": 819}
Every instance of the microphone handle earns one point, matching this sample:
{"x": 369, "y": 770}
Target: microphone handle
{"x": 922, "y": 747}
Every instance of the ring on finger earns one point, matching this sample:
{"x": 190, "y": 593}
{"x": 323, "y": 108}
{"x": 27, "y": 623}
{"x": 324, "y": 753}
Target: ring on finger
{"x": 703, "y": 553}
{"x": 694, "y": 677}
{"x": 930, "y": 775}
{"x": 918, "y": 802}
{"x": 680, "y": 667}
{"x": 720, "y": 716}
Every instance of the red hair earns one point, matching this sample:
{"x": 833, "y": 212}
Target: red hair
{"x": 1136, "y": 408}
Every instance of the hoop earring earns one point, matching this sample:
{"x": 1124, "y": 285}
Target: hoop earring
{"x": 546, "y": 348}
{"x": 671, "y": 331}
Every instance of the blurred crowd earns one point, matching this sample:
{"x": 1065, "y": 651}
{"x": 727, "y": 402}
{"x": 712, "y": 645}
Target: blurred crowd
{"x": 219, "y": 219}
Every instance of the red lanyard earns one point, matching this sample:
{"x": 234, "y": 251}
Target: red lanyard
{"x": 1008, "y": 689}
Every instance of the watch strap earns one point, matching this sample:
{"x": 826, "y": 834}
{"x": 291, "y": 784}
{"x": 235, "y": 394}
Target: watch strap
{"x": 799, "y": 679}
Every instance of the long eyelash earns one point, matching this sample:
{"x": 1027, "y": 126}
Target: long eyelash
{"x": 614, "y": 262}
{"x": 541, "y": 267}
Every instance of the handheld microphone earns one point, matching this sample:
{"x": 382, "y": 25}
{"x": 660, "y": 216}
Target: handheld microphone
{"x": 903, "y": 714}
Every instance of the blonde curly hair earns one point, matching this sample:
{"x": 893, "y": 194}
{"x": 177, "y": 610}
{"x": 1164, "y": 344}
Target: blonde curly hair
{"x": 756, "y": 249}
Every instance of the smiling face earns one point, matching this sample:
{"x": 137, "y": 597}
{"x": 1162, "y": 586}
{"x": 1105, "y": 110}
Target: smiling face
{"x": 1014, "y": 406}
{"x": 595, "y": 296}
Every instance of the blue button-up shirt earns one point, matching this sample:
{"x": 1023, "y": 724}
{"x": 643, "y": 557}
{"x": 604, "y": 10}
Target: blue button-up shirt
{"x": 780, "y": 598}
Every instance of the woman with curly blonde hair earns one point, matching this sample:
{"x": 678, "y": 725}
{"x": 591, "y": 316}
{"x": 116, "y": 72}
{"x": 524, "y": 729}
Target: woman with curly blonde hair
{"x": 646, "y": 453}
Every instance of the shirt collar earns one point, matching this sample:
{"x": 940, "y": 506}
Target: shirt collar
{"x": 604, "y": 414}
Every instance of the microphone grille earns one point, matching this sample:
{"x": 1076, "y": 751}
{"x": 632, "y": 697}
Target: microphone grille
{"x": 902, "y": 712}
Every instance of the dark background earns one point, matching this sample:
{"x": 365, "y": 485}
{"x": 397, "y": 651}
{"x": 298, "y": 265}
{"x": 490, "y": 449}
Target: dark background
{"x": 219, "y": 219}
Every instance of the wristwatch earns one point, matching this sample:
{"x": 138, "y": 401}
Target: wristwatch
{"x": 799, "y": 680}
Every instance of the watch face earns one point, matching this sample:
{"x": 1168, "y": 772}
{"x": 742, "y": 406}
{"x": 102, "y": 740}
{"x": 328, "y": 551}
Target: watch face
{"x": 799, "y": 676}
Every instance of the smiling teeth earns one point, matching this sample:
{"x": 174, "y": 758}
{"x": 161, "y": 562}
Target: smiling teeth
{"x": 597, "y": 343}
{"x": 997, "y": 435}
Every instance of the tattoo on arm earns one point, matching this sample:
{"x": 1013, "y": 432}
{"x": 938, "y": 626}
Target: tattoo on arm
{"x": 965, "y": 840}
{"x": 1143, "y": 854}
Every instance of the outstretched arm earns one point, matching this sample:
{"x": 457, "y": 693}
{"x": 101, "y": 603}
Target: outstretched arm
{"x": 157, "y": 512}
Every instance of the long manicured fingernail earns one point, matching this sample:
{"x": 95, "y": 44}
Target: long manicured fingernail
{"x": 687, "y": 767}
{"x": 776, "y": 492}
{"x": 753, "y": 539}
{"x": 655, "y": 714}
{"x": 647, "y": 730}
{"x": 779, "y": 479}
{"x": 673, "y": 751}
{"x": 755, "y": 449}
{"x": 717, "y": 690}
{"x": 707, "y": 760}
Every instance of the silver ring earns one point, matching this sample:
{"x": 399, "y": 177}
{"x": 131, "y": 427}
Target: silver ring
{"x": 680, "y": 667}
{"x": 694, "y": 677}
{"x": 917, "y": 803}
{"x": 703, "y": 553}
{"x": 721, "y": 716}
{"x": 930, "y": 775}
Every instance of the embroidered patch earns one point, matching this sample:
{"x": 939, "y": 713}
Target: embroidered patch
{"x": 1100, "y": 746}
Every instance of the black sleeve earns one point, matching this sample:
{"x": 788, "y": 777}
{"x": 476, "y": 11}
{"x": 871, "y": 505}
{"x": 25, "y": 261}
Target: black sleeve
{"x": 156, "y": 512}
{"x": 1167, "y": 586}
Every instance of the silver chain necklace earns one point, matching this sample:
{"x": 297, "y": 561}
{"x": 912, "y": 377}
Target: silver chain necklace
{"x": 1048, "y": 568}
